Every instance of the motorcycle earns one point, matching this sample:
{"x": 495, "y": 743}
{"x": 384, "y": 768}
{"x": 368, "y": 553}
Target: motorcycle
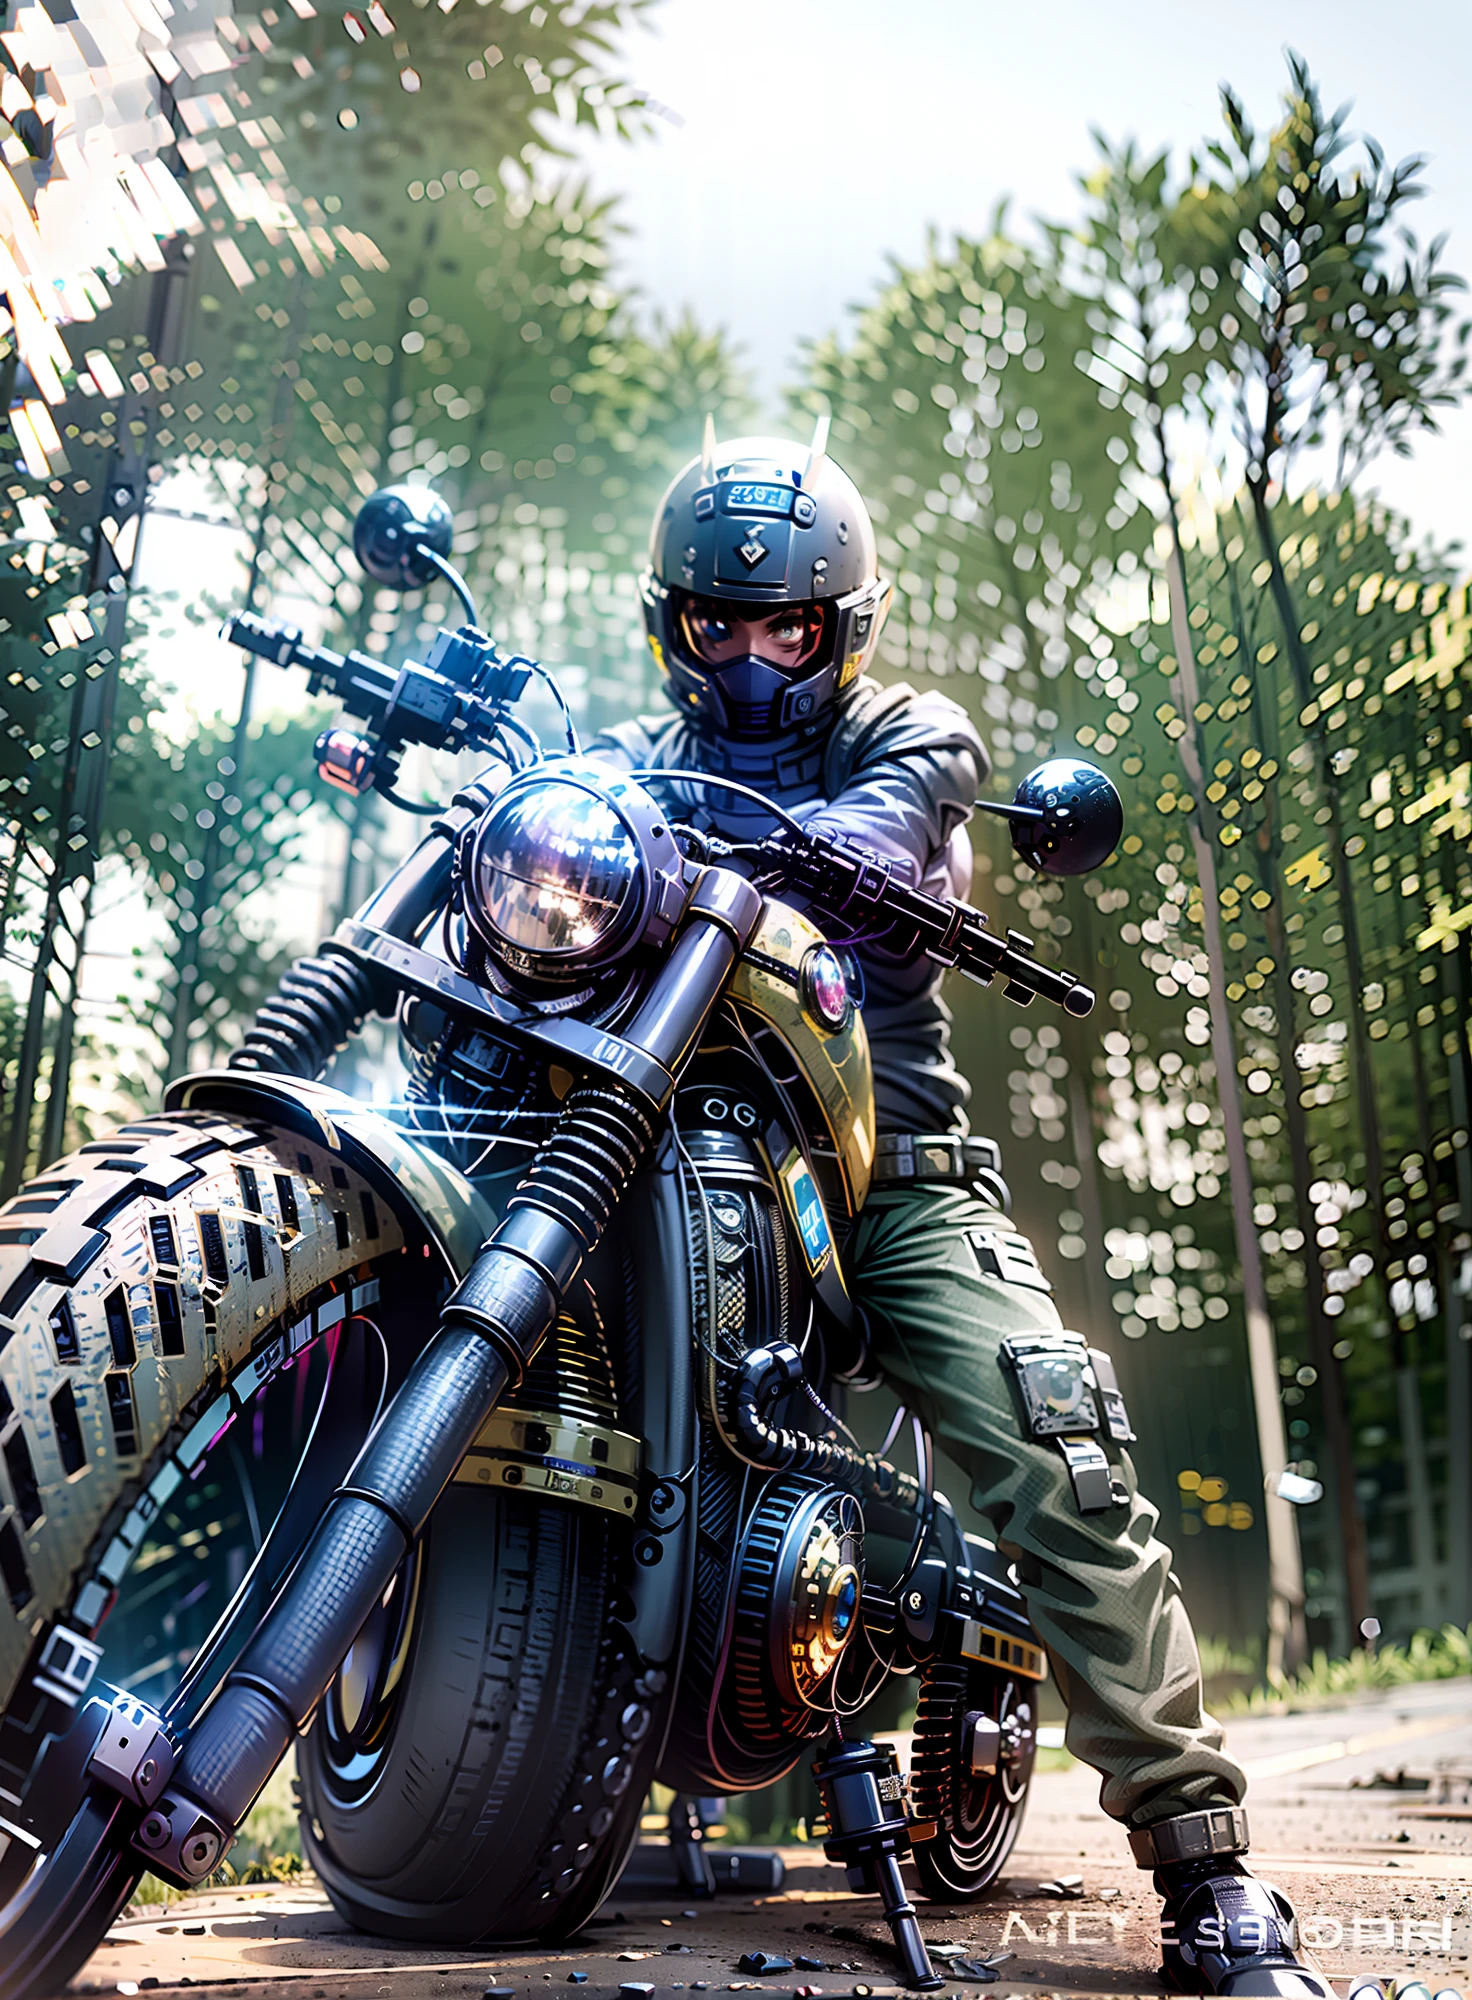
{"x": 518, "y": 1411}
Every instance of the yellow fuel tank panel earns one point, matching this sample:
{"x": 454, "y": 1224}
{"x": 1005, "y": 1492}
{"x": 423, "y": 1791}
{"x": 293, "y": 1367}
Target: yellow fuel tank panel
{"x": 833, "y": 1061}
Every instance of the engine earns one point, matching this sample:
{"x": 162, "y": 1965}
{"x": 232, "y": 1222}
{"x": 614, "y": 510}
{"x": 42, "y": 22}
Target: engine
{"x": 798, "y": 1583}
{"x": 779, "y": 1569}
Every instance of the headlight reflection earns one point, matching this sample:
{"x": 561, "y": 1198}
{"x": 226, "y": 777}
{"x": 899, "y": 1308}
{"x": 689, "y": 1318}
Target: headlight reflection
{"x": 553, "y": 869}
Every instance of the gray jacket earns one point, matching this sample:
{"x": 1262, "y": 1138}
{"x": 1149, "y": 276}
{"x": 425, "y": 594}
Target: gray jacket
{"x": 895, "y": 771}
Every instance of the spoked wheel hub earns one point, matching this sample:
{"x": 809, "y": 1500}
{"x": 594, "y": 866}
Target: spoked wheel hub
{"x": 359, "y": 1711}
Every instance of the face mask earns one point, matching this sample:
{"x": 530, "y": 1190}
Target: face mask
{"x": 750, "y": 692}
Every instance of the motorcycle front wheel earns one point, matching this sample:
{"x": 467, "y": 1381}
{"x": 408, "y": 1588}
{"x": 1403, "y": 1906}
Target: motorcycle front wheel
{"x": 190, "y": 1353}
{"x": 478, "y": 1766}
{"x": 475, "y": 1771}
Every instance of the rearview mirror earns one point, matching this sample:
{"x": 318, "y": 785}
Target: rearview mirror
{"x": 398, "y": 531}
{"x": 1066, "y": 817}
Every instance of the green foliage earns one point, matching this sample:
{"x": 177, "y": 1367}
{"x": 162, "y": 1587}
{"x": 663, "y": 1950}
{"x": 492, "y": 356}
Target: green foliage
{"x": 414, "y": 80}
{"x": 39, "y": 582}
{"x": 1329, "y": 329}
{"x": 10, "y": 1033}
{"x": 151, "y": 1892}
{"x": 1223, "y": 1657}
{"x": 269, "y": 1849}
{"x": 322, "y": 153}
{"x": 1402, "y": 693}
{"x": 1428, "y": 1656}
{"x": 185, "y": 819}
{"x": 1335, "y": 669}
{"x": 270, "y": 1845}
{"x": 449, "y": 358}
{"x": 436, "y": 306}
{"x": 1125, "y": 255}
{"x": 963, "y": 407}
{"x": 1309, "y": 301}
{"x": 391, "y": 282}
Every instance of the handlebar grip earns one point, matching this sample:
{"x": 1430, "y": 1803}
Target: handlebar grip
{"x": 268, "y": 638}
{"x": 844, "y": 881}
{"x": 1024, "y": 979}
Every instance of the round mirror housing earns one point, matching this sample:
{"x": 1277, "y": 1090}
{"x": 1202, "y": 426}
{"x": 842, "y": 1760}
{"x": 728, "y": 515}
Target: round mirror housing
{"x": 394, "y": 527}
{"x": 1066, "y": 817}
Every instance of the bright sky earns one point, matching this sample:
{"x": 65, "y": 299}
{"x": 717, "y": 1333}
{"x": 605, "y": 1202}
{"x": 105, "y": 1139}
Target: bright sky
{"x": 822, "y": 135}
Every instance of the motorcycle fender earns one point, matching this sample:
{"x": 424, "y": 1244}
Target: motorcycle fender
{"x": 176, "y": 1230}
{"x": 409, "y": 1176}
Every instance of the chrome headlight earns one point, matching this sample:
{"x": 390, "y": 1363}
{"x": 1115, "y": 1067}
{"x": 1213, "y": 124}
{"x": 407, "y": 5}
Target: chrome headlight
{"x": 551, "y": 874}
{"x": 566, "y": 870}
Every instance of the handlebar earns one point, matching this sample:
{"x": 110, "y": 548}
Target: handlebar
{"x": 461, "y": 699}
{"x": 458, "y": 700}
{"x": 863, "y": 892}
{"x": 364, "y": 686}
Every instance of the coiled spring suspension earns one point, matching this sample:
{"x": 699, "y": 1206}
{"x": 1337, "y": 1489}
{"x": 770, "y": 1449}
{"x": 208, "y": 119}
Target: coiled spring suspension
{"x": 933, "y": 1753}
{"x": 319, "y": 1006}
{"x": 581, "y": 1173}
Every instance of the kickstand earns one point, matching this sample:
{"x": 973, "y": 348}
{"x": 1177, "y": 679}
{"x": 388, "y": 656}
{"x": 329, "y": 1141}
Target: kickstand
{"x": 686, "y": 1863}
{"x": 869, "y": 1835}
{"x": 687, "y": 1839}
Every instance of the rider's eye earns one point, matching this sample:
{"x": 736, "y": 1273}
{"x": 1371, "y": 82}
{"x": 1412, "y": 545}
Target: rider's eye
{"x": 792, "y": 630}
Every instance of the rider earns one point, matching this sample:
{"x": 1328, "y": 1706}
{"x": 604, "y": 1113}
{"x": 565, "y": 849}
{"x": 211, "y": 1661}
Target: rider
{"x": 764, "y": 603}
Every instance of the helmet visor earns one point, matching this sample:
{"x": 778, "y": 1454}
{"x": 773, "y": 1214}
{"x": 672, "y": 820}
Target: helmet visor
{"x": 793, "y": 638}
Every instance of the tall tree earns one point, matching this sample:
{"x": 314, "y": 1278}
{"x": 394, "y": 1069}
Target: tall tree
{"x": 378, "y": 295}
{"x": 1318, "y": 322}
{"x": 1128, "y": 256}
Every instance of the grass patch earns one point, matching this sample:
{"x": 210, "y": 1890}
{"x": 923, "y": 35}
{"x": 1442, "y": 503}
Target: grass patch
{"x": 1429, "y": 1656}
{"x": 1053, "y": 1757}
{"x": 269, "y": 1849}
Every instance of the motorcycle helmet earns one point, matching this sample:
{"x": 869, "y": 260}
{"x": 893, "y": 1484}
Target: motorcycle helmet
{"x": 763, "y": 596}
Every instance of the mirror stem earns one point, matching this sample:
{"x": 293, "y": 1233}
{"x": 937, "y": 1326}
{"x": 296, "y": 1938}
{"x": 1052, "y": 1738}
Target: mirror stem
{"x": 1010, "y": 812}
{"x": 453, "y": 577}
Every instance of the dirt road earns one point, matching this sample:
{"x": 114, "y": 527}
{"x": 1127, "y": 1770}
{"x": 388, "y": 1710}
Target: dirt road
{"x": 1362, "y": 1814}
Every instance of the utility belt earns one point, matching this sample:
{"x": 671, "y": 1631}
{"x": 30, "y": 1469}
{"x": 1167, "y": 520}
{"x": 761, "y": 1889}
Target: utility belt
{"x": 945, "y": 1157}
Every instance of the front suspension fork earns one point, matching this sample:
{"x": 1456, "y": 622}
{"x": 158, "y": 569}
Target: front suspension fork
{"x": 491, "y": 1327}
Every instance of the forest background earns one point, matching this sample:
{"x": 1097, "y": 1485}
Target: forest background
{"x": 1122, "y": 466}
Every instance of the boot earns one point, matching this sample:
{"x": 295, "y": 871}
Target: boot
{"x": 1223, "y": 1930}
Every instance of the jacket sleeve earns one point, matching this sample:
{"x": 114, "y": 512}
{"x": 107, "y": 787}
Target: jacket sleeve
{"x": 626, "y": 745}
{"x": 905, "y": 784}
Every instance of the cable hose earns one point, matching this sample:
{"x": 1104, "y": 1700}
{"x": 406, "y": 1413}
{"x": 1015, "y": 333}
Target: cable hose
{"x": 319, "y": 1006}
{"x": 581, "y": 1173}
{"x": 764, "y": 1376}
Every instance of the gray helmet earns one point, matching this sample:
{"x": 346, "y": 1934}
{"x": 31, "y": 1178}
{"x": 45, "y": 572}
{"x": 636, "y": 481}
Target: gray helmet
{"x": 752, "y": 526}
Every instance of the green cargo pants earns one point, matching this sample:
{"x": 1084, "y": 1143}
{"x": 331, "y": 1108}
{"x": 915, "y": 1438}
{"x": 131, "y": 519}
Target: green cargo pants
{"x": 1098, "y": 1586}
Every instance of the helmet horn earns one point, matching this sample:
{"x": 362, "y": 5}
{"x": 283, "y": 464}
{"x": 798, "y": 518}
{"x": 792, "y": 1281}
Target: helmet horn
{"x": 817, "y": 450}
{"x": 708, "y": 450}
